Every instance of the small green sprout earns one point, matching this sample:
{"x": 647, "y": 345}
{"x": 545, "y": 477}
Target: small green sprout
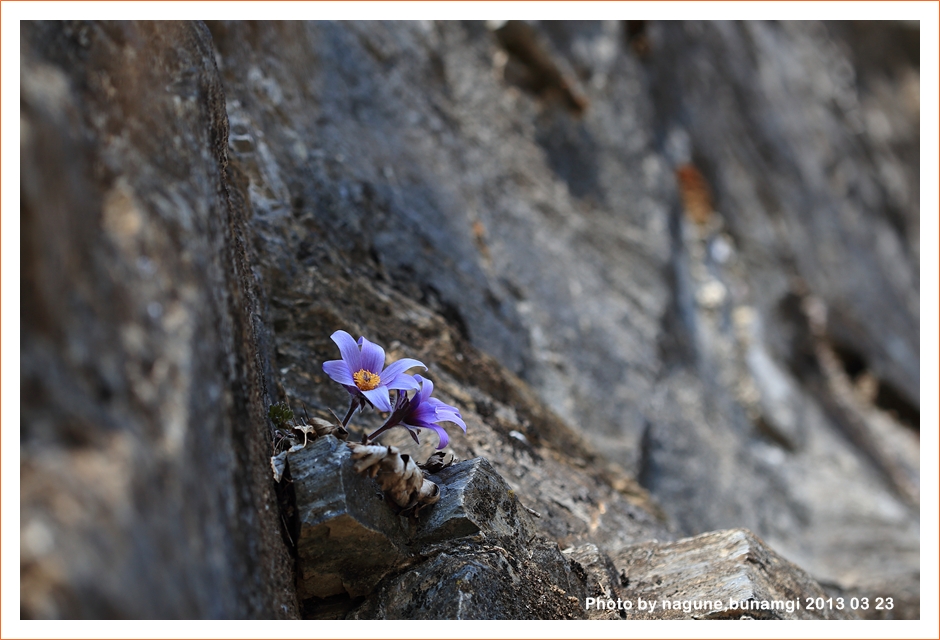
{"x": 282, "y": 416}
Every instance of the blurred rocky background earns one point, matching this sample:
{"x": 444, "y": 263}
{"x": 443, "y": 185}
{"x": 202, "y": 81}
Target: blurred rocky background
{"x": 668, "y": 271}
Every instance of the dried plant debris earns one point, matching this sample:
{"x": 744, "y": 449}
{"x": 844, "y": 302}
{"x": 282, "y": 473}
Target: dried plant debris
{"x": 402, "y": 481}
{"x": 318, "y": 428}
{"x": 438, "y": 461}
{"x": 288, "y": 431}
{"x": 278, "y": 465}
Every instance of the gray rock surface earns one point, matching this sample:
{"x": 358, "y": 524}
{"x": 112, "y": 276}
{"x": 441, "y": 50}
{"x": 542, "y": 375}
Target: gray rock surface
{"x": 729, "y": 574}
{"x": 642, "y": 351}
{"x": 145, "y": 490}
{"x": 345, "y": 543}
{"x": 474, "y": 499}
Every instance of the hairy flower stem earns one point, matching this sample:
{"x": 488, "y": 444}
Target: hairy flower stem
{"x": 401, "y": 410}
{"x": 353, "y": 405}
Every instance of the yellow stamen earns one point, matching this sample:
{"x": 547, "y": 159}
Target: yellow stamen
{"x": 366, "y": 380}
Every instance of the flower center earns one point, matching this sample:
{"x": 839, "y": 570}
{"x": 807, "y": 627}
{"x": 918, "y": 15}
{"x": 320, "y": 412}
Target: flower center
{"x": 366, "y": 380}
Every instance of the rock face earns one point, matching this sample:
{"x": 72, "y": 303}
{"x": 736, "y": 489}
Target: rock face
{"x": 729, "y": 574}
{"x": 476, "y": 554}
{"x": 345, "y": 544}
{"x": 145, "y": 492}
{"x": 668, "y": 272}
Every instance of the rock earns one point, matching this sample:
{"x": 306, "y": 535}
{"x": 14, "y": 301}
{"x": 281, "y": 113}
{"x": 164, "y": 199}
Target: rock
{"x": 477, "y": 557}
{"x": 601, "y": 581}
{"x": 553, "y": 240}
{"x": 478, "y": 581}
{"x": 348, "y": 537}
{"x": 751, "y": 435}
{"x": 474, "y": 499}
{"x": 718, "y": 575}
{"x": 145, "y": 484}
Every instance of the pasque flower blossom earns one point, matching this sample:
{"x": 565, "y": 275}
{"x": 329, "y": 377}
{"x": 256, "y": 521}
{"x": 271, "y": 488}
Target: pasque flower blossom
{"x": 424, "y": 412}
{"x": 363, "y": 372}
{"x": 421, "y": 411}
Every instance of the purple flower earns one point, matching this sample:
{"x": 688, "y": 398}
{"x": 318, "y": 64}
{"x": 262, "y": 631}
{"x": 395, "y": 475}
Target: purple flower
{"x": 423, "y": 412}
{"x": 361, "y": 371}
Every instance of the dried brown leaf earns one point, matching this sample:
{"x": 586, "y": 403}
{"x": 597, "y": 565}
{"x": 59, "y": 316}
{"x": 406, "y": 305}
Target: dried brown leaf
{"x": 437, "y": 462}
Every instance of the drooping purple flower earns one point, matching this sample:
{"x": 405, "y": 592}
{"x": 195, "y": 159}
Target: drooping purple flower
{"x": 424, "y": 412}
{"x": 361, "y": 371}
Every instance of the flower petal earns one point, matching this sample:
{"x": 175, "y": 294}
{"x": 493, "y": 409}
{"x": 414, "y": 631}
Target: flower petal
{"x": 373, "y": 357}
{"x": 379, "y": 398}
{"x": 450, "y": 416}
{"x": 398, "y": 368}
{"x": 338, "y": 370}
{"x": 445, "y": 412}
{"x": 444, "y": 438}
{"x": 439, "y": 430}
{"x": 349, "y": 350}
{"x": 426, "y": 388}
{"x": 402, "y": 381}
{"x": 423, "y": 412}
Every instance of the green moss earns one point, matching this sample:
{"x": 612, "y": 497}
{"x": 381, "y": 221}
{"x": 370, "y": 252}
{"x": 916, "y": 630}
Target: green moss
{"x": 281, "y": 415}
